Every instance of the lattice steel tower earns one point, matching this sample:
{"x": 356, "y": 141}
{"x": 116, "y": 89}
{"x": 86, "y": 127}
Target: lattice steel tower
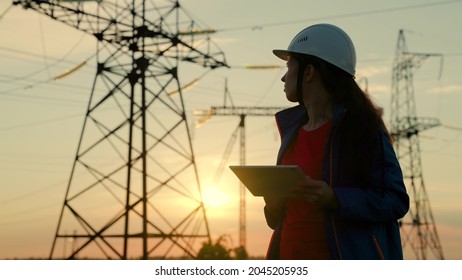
{"x": 418, "y": 229}
{"x": 134, "y": 189}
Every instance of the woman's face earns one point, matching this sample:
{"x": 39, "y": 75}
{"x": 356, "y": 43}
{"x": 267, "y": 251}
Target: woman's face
{"x": 290, "y": 80}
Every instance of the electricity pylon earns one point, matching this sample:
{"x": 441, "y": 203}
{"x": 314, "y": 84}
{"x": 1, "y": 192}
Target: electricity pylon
{"x": 242, "y": 112}
{"x": 418, "y": 229}
{"x": 134, "y": 188}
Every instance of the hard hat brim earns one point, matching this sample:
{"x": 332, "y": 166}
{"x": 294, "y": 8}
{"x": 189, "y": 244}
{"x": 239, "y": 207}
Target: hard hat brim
{"x": 282, "y": 54}
{"x": 326, "y": 42}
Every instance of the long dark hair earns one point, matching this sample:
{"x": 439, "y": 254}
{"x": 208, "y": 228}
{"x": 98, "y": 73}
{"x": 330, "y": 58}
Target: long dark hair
{"x": 362, "y": 124}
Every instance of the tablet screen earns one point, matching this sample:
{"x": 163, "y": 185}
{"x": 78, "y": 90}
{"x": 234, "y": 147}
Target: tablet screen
{"x": 262, "y": 180}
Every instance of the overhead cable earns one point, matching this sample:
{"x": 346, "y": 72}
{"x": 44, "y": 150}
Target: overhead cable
{"x": 346, "y": 15}
{"x": 4, "y": 12}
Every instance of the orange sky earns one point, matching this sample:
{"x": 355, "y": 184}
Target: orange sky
{"x": 40, "y": 120}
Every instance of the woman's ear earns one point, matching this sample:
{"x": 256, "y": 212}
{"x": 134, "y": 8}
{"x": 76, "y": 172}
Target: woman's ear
{"x": 309, "y": 73}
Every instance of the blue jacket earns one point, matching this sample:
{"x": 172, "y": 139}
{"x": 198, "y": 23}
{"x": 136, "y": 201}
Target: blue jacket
{"x": 365, "y": 226}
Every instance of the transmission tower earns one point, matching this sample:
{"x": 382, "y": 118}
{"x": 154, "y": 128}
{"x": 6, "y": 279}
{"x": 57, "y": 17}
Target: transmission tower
{"x": 242, "y": 112}
{"x": 134, "y": 188}
{"x": 418, "y": 227}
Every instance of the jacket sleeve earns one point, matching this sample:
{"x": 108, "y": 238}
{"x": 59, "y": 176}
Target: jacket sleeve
{"x": 272, "y": 219}
{"x": 384, "y": 198}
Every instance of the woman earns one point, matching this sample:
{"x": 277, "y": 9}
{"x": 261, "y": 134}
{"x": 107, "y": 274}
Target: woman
{"x": 353, "y": 195}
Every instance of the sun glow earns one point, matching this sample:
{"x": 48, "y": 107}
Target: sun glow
{"x": 214, "y": 197}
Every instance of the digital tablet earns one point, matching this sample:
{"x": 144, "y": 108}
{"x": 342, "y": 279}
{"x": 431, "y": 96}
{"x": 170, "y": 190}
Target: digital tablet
{"x": 262, "y": 180}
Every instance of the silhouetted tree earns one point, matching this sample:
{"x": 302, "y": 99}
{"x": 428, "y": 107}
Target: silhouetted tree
{"x": 220, "y": 250}
{"x": 240, "y": 253}
{"x": 214, "y": 251}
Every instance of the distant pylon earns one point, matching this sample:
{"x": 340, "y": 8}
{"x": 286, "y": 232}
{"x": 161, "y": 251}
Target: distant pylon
{"x": 134, "y": 190}
{"x": 242, "y": 112}
{"x": 418, "y": 229}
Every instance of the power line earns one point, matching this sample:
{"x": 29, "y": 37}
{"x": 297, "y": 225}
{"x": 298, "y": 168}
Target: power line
{"x": 48, "y": 121}
{"x": 447, "y": 142}
{"x": 44, "y": 53}
{"x": 46, "y": 58}
{"x": 6, "y": 11}
{"x": 32, "y": 193}
{"x": 41, "y": 82}
{"x": 452, "y": 127}
{"x": 268, "y": 89}
{"x": 10, "y": 93}
{"x": 346, "y": 15}
{"x": 27, "y": 53}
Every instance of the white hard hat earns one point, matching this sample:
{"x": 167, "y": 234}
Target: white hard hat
{"x": 325, "y": 41}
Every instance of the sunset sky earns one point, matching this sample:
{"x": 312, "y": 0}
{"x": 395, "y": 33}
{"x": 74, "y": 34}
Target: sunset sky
{"x": 41, "y": 119}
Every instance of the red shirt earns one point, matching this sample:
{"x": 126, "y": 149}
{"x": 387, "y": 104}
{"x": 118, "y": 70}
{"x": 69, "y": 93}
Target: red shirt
{"x": 303, "y": 234}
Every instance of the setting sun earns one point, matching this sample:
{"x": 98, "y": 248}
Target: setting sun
{"x": 214, "y": 197}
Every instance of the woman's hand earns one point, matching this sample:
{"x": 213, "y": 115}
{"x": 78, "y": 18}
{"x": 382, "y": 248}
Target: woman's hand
{"x": 274, "y": 203}
{"x": 316, "y": 192}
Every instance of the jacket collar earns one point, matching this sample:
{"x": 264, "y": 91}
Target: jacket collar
{"x": 297, "y": 116}
{"x": 290, "y": 120}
